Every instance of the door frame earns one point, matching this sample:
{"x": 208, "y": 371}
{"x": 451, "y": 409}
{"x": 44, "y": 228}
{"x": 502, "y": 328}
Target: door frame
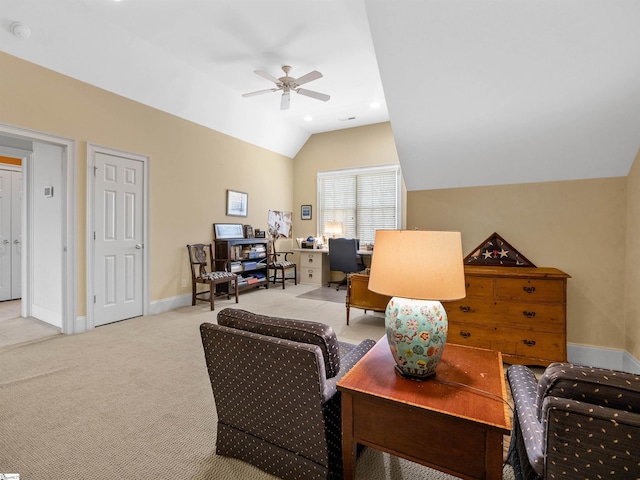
{"x": 70, "y": 323}
{"x": 92, "y": 150}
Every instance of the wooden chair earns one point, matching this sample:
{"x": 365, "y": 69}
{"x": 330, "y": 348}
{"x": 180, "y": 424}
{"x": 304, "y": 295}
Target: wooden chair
{"x": 281, "y": 266}
{"x": 359, "y": 295}
{"x": 200, "y": 255}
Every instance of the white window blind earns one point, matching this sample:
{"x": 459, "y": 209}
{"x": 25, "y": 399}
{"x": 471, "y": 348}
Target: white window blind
{"x": 363, "y": 200}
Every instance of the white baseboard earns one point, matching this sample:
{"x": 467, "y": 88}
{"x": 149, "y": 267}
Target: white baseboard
{"x": 171, "y": 303}
{"x": 159, "y": 306}
{"x": 80, "y": 325}
{"x": 46, "y": 315}
{"x": 603, "y": 358}
{"x": 630, "y": 363}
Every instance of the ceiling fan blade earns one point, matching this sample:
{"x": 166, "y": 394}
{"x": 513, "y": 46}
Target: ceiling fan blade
{"x": 312, "y": 94}
{"x": 308, "y": 77}
{"x": 284, "y": 102}
{"x": 267, "y": 76}
{"x": 259, "y": 92}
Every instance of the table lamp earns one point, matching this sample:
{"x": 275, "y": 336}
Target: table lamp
{"x": 418, "y": 269}
{"x": 333, "y": 228}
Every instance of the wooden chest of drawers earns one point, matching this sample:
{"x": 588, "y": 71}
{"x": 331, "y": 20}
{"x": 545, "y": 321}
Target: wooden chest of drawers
{"x": 519, "y": 311}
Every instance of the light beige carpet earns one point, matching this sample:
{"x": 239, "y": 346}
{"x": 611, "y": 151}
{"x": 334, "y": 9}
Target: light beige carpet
{"x": 132, "y": 399}
{"x": 14, "y": 329}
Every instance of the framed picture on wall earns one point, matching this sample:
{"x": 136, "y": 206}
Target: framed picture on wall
{"x": 305, "y": 212}
{"x": 237, "y": 203}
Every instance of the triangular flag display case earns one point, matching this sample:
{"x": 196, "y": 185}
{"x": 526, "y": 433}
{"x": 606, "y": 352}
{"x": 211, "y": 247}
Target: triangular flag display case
{"x": 496, "y": 251}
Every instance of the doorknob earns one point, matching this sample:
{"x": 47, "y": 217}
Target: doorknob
{"x": 138, "y": 246}
{"x": 5, "y": 241}
{"x": 16, "y": 241}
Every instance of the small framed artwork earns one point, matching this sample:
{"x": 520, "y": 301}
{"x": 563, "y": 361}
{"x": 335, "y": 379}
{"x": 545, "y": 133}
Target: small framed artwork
{"x": 305, "y": 212}
{"x": 237, "y": 203}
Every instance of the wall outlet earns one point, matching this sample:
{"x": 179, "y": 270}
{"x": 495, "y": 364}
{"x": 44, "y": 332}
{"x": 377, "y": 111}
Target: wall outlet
{"x": 184, "y": 283}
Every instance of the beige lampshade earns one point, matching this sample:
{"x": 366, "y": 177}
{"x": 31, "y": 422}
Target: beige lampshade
{"x": 418, "y": 264}
{"x": 333, "y": 228}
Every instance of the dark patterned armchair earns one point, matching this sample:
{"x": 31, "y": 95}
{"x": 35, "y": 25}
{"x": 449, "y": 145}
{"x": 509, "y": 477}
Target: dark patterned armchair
{"x": 576, "y": 422}
{"x": 274, "y": 384}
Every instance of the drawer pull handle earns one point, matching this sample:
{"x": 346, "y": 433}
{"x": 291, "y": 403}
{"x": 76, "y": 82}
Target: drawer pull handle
{"x": 529, "y": 289}
{"x": 465, "y": 334}
{"x": 529, "y": 343}
{"x": 529, "y": 314}
{"x": 467, "y": 285}
{"x": 310, "y": 259}
{"x": 465, "y": 308}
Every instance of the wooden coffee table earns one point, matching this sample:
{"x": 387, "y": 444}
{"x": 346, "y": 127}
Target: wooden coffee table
{"x": 446, "y": 426}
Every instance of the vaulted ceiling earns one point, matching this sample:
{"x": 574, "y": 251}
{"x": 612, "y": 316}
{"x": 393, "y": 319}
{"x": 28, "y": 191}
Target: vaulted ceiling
{"x": 478, "y": 92}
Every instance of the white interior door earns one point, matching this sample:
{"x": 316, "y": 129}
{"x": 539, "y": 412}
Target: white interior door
{"x": 16, "y": 235}
{"x": 118, "y": 237}
{"x": 10, "y": 234}
{"x": 5, "y": 235}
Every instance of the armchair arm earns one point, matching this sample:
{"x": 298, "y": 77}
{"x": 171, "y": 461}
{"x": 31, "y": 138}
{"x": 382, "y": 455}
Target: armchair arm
{"x": 584, "y": 440}
{"x": 599, "y": 386}
{"x": 347, "y": 362}
{"x": 523, "y": 385}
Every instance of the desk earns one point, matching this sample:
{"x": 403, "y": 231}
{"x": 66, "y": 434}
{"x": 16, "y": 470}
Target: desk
{"x": 314, "y": 265}
{"x": 444, "y": 426}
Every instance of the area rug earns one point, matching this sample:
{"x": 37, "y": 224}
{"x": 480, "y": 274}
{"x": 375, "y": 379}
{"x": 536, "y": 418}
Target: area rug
{"x": 326, "y": 294}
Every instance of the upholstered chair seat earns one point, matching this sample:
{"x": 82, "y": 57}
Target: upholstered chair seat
{"x": 274, "y": 384}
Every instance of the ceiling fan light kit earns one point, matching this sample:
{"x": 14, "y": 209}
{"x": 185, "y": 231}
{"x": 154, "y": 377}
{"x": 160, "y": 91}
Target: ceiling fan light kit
{"x": 286, "y": 84}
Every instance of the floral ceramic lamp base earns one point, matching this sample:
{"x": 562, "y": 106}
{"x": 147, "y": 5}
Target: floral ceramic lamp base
{"x": 417, "y": 333}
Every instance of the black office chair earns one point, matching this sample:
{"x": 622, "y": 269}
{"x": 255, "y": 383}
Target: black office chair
{"x": 343, "y": 257}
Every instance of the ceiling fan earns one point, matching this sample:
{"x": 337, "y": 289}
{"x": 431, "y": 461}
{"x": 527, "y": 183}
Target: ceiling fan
{"x": 288, "y": 84}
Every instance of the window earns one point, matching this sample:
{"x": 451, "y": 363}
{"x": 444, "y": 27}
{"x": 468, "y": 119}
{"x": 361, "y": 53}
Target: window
{"x": 362, "y": 199}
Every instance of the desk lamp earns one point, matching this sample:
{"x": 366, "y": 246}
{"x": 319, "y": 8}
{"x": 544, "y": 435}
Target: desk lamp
{"x": 333, "y": 228}
{"x": 418, "y": 269}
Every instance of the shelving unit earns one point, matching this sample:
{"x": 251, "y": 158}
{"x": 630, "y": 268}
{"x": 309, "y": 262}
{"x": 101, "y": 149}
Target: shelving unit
{"x": 247, "y": 258}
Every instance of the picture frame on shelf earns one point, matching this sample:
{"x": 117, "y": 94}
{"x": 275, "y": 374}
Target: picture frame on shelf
{"x": 305, "y": 212}
{"x": 224, "y": 231}
{"x": 237, "y": 203}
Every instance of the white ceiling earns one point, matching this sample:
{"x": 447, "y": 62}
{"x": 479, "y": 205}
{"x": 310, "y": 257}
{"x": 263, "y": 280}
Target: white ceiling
{"x": 479, "y": 92}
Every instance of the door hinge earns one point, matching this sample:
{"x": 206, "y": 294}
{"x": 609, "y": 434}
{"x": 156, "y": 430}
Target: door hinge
{"x": 94, "y": 299}
{"x": 94, "y": 235}
{"x": 95, "y": 171}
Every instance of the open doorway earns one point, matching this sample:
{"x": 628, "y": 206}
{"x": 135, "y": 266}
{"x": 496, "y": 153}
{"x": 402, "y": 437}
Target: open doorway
{"x": 14, "y": 328}
{"x": 48, "y": 271}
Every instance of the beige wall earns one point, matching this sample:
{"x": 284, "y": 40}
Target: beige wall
{"x": 576, "y": 226}
{"x": 354, "y": 147}
{"x": 589, "y": 228}
{"x": 632, "y": 293}
{"x": 190, "y": 166}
